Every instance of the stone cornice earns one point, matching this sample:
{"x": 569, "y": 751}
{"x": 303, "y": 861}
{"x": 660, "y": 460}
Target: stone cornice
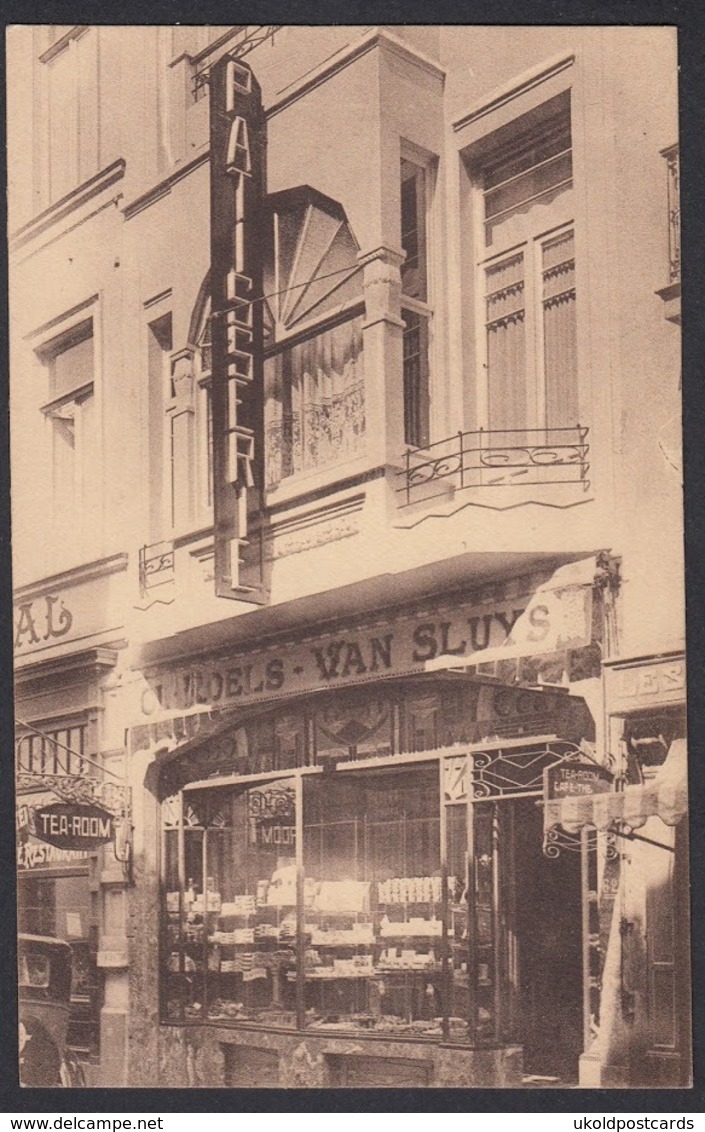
{"x": 74, "y": 577}
{"x": 164, "y": 187}
{"x": 89, "y": 661}
{"x": 376, "y": 37}
{"x": 68, "y": 204}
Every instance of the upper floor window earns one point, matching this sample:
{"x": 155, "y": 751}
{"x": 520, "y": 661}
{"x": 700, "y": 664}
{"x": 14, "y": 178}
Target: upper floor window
{"x": 672, "y": 156}
{"x": 204, "y": 415}
{"x": 671, "y": 293}
{"x": 314, "y": 358}
{"x": 71, "y": 418}
{"x": 413, "y": 229}
{"x": 70, "y": 73}
{"x": 415, "y": 312}
{"x": 525, "y": 264}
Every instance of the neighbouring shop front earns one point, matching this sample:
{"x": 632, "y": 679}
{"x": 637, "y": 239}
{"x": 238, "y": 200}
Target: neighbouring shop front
{"x": 352, "y": 879}
{"x": 643, "y": 1036}
{"x": 67, "y": 809}
{"x": 56, "y": 886}
{"x": 71, "y": 807}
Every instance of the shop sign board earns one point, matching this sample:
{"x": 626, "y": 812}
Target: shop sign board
{"x": 271, "y": 814}
{"x": 72, "y": 825}
{"x": 465, "y": 632}
{"x": 576, "y": 779}
{"x": 37, "y": 856}
{"x": 648, "y": 684}
{"x": 89, "y": 605}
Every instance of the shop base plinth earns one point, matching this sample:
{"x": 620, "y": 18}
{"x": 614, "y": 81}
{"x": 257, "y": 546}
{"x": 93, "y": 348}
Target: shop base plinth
{"x": 594, "y": 1074}
{"x": 113, "y": 1048}
{"x": 210, "y": 1057}
{"x": 665, "y": 1070}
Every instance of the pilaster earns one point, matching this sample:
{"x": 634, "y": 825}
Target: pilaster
{"x": 383, "y": 341}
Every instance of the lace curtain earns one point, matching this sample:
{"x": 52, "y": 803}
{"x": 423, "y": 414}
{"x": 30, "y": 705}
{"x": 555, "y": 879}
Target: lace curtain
{"x": 314, "y": 402}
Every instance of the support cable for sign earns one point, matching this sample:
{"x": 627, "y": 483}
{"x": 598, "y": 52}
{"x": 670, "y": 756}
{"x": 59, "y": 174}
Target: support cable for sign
{"x": 110, "y": 791}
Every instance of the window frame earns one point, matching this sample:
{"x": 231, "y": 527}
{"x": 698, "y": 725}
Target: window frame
{"x": 557, "y": 220}
{"x": 83, "y": 109}
{"x": 428, "y": 761}
{"x": 308, "y": 332}
{"x": 73, "y": 332}
{"x": 420, "y": 305}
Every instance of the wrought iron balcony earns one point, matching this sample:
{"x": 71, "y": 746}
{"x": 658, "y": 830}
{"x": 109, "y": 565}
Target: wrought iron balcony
{"x": 495, "y": 458}
{"x": 156, "y": 566}
{"x": 674, "y": 213}
{"x": 671, "y": 293}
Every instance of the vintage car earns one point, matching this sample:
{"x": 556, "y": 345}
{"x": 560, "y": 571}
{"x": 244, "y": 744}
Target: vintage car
{"x": 44, "y": 985}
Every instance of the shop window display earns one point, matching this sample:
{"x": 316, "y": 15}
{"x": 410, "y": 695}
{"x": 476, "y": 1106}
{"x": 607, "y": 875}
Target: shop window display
{"x": 374, "y": 902}
{"x": 334, "y": 894}
{"x": 230, "y": 910}
{"x": 347, "y": 934}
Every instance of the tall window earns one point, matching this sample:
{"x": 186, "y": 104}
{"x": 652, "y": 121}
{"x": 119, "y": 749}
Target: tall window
{"x": 159, "y": 345}
{"x": 314, "y": 357}
{"x": 204, "y": 413}
{"x": 70, "y": 68}
{"x": 70, "y": 413}
{"x": 526, "y": 265}
{"x": 317, "y": 390}
{"x": 415, "y": 312}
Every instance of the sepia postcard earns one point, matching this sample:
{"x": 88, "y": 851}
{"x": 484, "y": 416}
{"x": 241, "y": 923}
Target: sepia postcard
{"x": 349, "y": 634}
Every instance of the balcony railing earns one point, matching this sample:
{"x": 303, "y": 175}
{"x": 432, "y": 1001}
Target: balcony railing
{"x": 495, "y": 458}
{"x": 674, "y": 213}
{"x": 156, "y": 566}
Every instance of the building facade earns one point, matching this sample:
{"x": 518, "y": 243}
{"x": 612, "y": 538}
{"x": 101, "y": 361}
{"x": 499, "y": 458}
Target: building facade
{"x": 354, "y": 355}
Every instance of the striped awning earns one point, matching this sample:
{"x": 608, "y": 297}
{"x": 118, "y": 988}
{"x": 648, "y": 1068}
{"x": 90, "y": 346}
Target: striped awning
{"x": 665, "y": 796}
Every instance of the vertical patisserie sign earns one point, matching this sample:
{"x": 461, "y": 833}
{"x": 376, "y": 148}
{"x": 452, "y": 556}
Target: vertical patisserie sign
{"x": 237, "y": 144}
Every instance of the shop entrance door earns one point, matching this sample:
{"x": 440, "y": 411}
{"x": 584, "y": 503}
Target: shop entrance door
{"x": 547, "y": 919}
{"x": 525, "y": 943}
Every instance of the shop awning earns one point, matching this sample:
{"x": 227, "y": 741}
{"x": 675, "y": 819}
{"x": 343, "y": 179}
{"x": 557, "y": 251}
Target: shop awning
{"x": 665, "y": 796}
{"x": 558, "y": 616}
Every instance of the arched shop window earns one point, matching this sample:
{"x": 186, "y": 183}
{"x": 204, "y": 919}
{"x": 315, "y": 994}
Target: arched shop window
{"x": 314, "y": 377}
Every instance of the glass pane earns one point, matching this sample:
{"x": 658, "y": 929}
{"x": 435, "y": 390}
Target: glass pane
{"x": 485, "y": 972}
{"x": 63, "y": 155}
{"x": 352, "y": 729}
{"x": 521, "y": 192}
{"x": 457, "y": 856}
{"x": 34, "y": 970}
{"x": 528, "y": 174}
{"x": 249, "y": 905}
{"x": 373, "y": 902}
{"x": 315, "y": 402}
{"x": 506, "y": 347}
{"x": 172, "y": 967}
{"x": 416, "y": 392}
{"x": 559, "y": 332}
{"x": 413, "y": 230}
{"x": 72, "y": 367}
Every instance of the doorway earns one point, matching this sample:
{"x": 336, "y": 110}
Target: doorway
{"x": 547, "y": 919}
